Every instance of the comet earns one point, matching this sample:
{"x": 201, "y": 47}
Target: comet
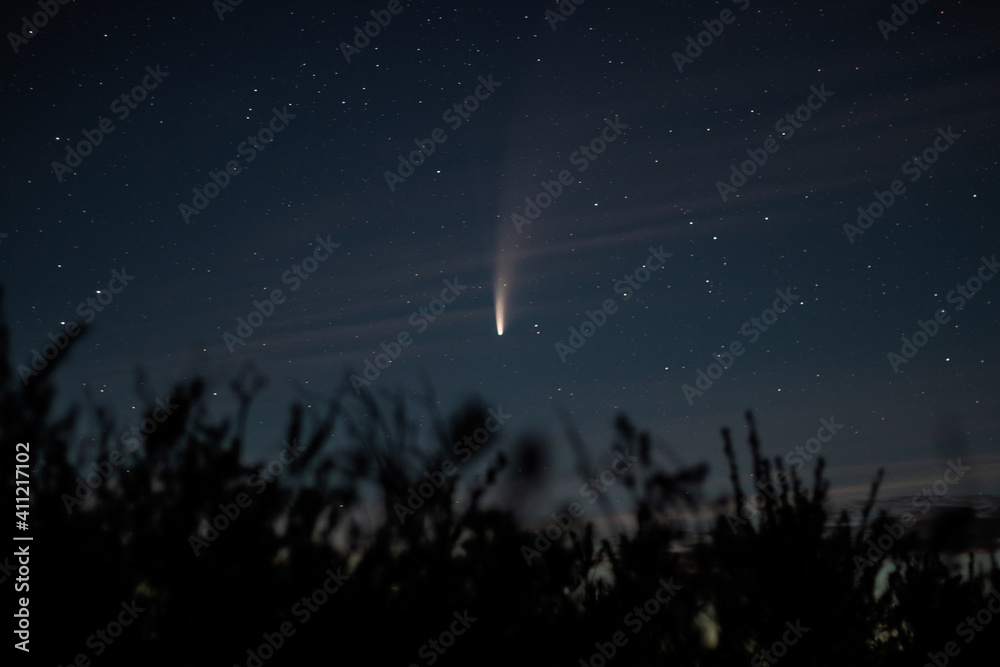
{"x": 507, "y": 248}
{"x": 501, "y": 289}
{"x": 500, "y": 303}
{"x": 502, "y": 270}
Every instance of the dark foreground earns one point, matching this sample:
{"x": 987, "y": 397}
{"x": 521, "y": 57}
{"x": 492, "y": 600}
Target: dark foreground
{"x": 125, "y": 566}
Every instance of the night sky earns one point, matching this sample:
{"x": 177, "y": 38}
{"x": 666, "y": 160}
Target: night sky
{"x": 248, "y": 149}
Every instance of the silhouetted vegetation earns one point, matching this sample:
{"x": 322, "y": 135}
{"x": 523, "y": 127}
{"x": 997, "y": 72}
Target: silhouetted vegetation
{"x": 737, "y": 587}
